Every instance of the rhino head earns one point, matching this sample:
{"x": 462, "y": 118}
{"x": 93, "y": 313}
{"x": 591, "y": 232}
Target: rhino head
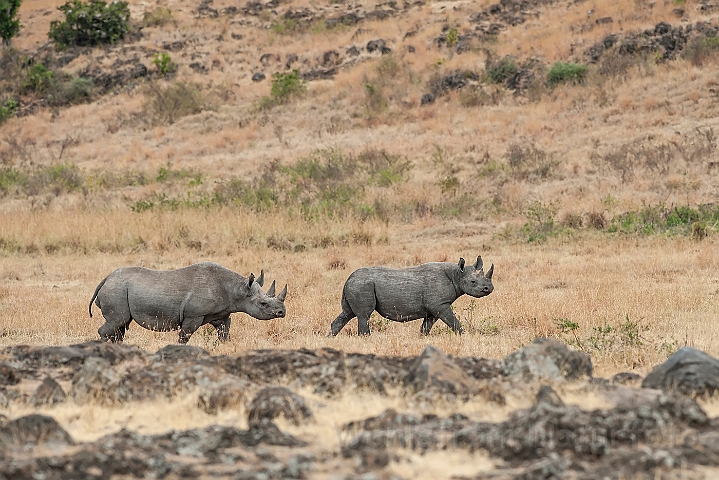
{"x": 261, "y": 305}
{"x": 472, "y": 279}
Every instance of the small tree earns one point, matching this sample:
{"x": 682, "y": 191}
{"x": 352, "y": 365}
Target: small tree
{"x": 9, "y": 24}
{"x": 90, "y": 24}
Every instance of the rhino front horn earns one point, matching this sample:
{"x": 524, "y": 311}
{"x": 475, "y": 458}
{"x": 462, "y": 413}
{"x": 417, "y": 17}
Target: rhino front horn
{"x": 251, "y": 279}
{"x": 271, "y": 291}
{"x": 282, "y": 295}
{"x": 490, "y": 272}
{"x": 261, "y": 279}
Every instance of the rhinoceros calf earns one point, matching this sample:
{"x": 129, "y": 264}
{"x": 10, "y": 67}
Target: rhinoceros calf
{"x": 425, "y": 291}
{"x": 184, "y": 299}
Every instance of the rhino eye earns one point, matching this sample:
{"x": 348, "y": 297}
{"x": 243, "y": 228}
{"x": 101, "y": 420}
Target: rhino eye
{"x": 263, "y": 304}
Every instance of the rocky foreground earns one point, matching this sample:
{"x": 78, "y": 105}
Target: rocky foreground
{"x": 655, "y": 429}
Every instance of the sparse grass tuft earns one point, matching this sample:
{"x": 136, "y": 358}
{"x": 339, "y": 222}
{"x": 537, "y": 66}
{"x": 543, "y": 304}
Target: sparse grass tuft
{"x": 166, "y": 104}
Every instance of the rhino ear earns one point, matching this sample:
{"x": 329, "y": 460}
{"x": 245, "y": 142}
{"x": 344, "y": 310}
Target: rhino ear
{"x": 478, "y": 264}
{"x": 282, "y": 295}
{"x": 261, "y": 279}
{"x": 250, "y": 280}
{"x": 271, "y": 291}
{"x": 461, "y": 264}
{"x": 490, "y": 272}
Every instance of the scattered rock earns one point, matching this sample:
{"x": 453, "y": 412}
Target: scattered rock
{"x": 258, "y": 77}
{"x": 627, "y": 378}
{"x": 427, "y": 98}
{"x": 352, "y": 51}
{"x": 547, "y": 359}
{"x": 49, "y": 393}
{"x": 434, "y": 370}
{"x": 33, "y": 430}
{"x": 271, "y": 402}
{"x": 376, "y": 45}
{"x": 9, "y": 375}
{"x": 688, "y": 371}
{"x": 180, "y": 353}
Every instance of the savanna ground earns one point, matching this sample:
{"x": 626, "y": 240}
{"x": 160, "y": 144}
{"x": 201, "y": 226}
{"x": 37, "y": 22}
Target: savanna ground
{"x": 596, "y": 200}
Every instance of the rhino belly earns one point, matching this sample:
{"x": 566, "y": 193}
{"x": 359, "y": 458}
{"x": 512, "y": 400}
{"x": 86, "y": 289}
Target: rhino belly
{"x": 158, "y": 322}
{"x": 400, "y": 311}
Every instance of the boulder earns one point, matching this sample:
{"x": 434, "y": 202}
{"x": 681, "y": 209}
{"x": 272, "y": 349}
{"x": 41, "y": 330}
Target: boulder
{"x": 49, "y": 392}
{"x": 547, "y": 359}
{"x": 33, "y": 430}
{"x": 688, "y": 371}
{"x": 271, "y": 402}
{"x": 434, "y": 370}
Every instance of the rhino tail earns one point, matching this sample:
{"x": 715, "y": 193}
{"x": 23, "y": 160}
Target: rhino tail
{"x": 94, "y": 295}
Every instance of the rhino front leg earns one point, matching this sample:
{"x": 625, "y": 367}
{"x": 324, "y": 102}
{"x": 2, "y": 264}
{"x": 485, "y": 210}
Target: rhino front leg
{"x": 447, "y": 316}
{"x": 223, "y": 328}
{"x": 188, "y": 327}
{"x": 427, "y": 324}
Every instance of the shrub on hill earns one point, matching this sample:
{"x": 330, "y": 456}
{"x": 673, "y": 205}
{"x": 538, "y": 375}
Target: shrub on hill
{"x": 90, "y": 24}
{"x": 566, "y": 72}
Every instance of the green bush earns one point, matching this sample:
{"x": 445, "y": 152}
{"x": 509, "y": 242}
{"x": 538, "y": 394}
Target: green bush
{"x": 90, "y": 24}
{"x": 566, "y": 72}
{"x": 9, "y": 24}
{"x": 164, "y": 64}
{"x": 8, "y": 107}
{"x": 67, "y": 90}
{"x": 286, "y": 85}
{"x": 167, "y": 104}
{"x": 157, "y": 17}
{"x": 701, "y": 49}
{"x": 452, "y": 37}
{"x": 499, "y": 71}
{"x": 37, "y": 79}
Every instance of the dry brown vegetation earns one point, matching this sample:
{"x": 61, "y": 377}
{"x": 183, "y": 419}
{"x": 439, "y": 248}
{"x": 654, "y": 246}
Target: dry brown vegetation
{"x": 542, "y": 183}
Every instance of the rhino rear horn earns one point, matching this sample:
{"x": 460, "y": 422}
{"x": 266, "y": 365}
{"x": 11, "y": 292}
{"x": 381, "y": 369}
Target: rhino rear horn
{"x": 490, "y": 272}
{"x": 251, "y": 279}
{"x": 282, "y": 295}
{"x": 261, "y": 279}
{"x": 271, "y": 291}
{"x": 461, "y": 264}
{"x": 478, "y": 264}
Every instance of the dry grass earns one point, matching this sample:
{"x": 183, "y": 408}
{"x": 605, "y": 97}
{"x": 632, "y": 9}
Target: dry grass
{"x": 665, "y": 291}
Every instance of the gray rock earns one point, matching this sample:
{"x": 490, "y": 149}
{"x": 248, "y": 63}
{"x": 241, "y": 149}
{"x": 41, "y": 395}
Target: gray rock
{"x": 258, "y": 77}
{"x": 49, "y": 392}
{"x": 688, "y": 371}
{"x": 33, "y": 430}
{"x": 434, "y": 370}
{"x": 547, "y": 359}
{"x": 271, "y": 402}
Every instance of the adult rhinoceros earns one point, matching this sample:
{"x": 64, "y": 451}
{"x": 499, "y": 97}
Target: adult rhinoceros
{"x": 404, "y": 294}
{"x": 182, "y": 299}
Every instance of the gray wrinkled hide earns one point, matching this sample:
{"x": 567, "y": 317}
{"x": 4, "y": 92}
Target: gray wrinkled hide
{"x": 184, "y": 299}
{"x": 425, "y": 291}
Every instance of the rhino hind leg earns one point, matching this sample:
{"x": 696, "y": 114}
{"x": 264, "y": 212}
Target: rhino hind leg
{"x": 111, "y": 333}
{"x": 188, "y": 327}
{"x": 427, "y": 324}
{"x": 223, "y": 328}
